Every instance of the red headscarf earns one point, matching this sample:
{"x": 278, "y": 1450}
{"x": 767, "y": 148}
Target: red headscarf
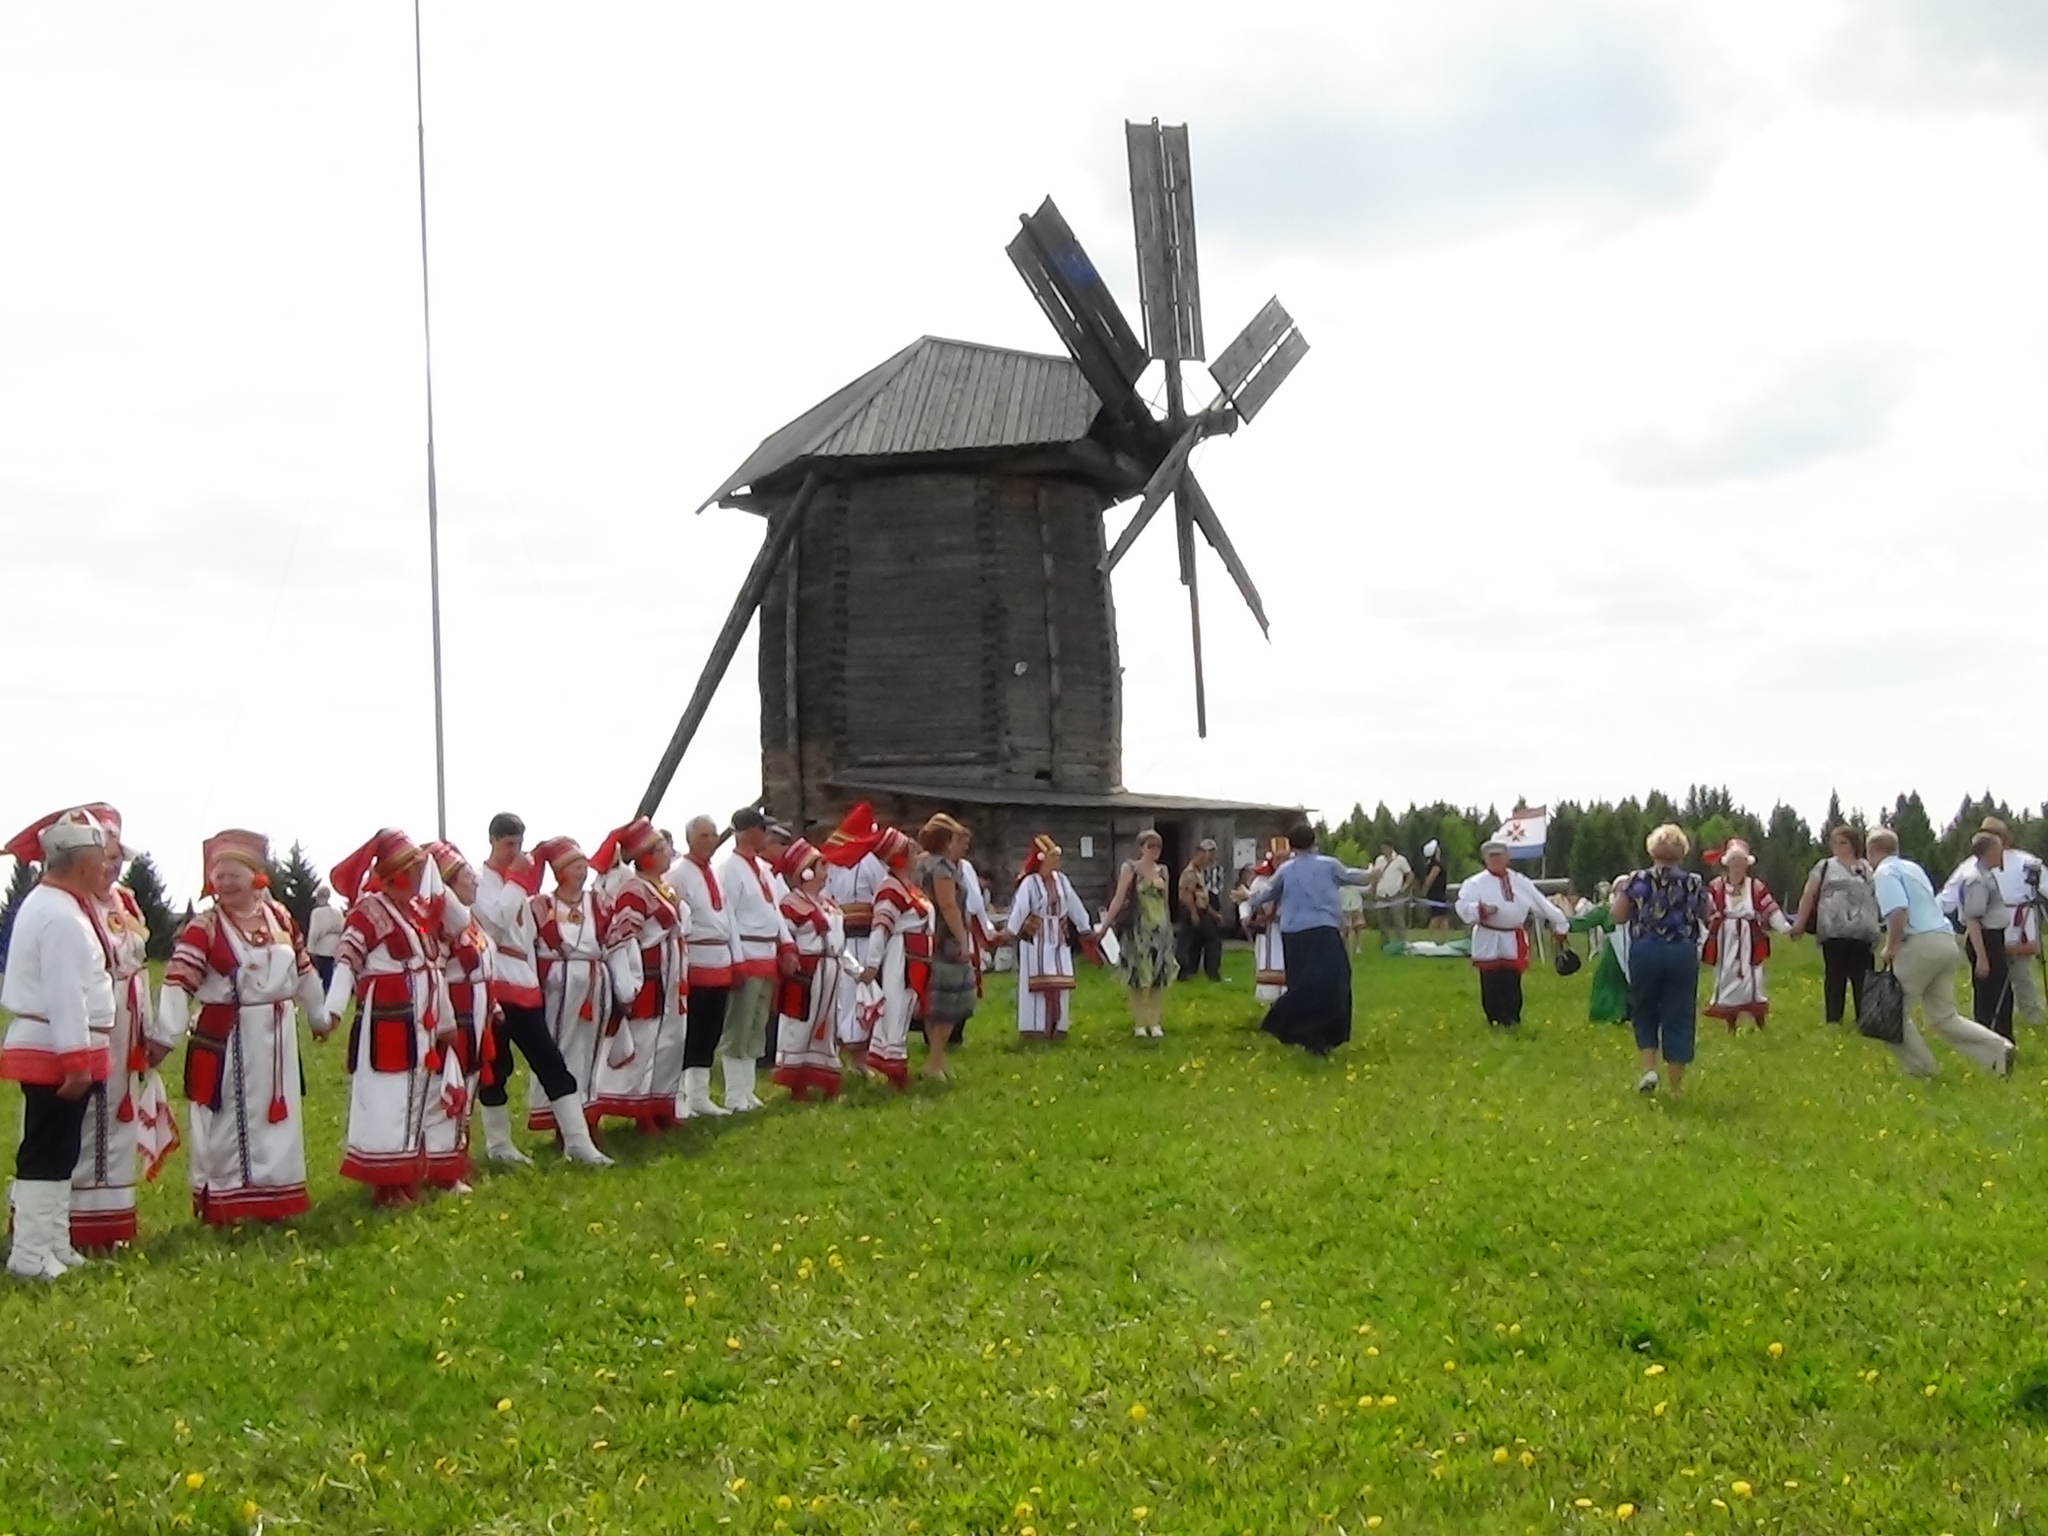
{"x": 385, "y": 856}
{"x": 632, "y": 843}
{"x": 853, "y": 839}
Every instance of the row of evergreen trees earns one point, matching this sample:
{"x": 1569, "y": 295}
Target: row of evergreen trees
{"x": 1598, "y": 841}
{"x": 295, "y": 883}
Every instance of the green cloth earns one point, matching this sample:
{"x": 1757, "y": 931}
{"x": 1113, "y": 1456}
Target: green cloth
{"x": 1148, "y": 959}
{"x": 1607, "y": 1003}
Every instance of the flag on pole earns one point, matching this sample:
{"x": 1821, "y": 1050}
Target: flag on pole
{"x": 1525, "y": 831}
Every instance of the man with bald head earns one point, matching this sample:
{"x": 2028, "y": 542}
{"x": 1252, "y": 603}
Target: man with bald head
{"x": 709, "y": 941}
{"x": 1920, "y": 948}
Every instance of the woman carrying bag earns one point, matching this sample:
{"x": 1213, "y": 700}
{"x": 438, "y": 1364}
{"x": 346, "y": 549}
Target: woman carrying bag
{"x": 1839, "y": 905}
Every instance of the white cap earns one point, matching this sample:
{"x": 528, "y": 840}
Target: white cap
{"x": 74, "y": 829}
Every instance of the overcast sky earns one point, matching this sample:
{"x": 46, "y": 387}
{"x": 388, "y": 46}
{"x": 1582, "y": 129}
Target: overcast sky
{"x": 1676, "y": 409}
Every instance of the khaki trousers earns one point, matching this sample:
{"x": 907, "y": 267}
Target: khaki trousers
{"x": 1926, "y": 967}
{"x": 2026, "y": 990}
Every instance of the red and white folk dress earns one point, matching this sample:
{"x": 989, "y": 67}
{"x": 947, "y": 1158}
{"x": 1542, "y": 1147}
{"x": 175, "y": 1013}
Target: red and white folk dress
{"x": 576, "y": 995}
{"x": 1738, "y": 943}
{"x": 231, "y": 988}
{"x": 807, "y": 1004}
{"x": 643, "y": 941}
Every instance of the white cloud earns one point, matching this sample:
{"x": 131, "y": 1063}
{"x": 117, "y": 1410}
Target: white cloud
{"x": 1837, "y": 401}
{"x": 1955, "y": 55}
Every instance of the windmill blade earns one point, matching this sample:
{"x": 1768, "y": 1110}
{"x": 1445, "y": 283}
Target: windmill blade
{"x": 1163, "y": 214}
{"x": 1079, "y": 305}
{"x": 1163, "y": 480}
{"x": 1183, "y": 517}
{"x": 782, "y": 532}
{"x": 1205, "y": 518}
{"x": 1265, "y": 352}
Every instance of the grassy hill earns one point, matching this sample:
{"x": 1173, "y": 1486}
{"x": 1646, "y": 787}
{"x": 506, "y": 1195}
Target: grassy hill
{"x": 1450, "y": 1280}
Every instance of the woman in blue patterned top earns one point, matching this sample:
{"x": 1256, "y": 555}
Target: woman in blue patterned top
{"x": 1666, "y": 909}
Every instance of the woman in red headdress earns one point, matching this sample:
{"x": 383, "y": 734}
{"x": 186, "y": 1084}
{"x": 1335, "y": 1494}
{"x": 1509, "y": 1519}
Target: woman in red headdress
{"x": 852, "y": 876}
{"x": 466, "y": 958}
{"x": 1269, "y": 957}
{"x": 807, "y": 1003}
{"x": 576, "y": 996}
{"x": 1047, "y": 918}
{"x": 387, "y": 962}
{"x": 242, "y": 962}
{"x": 899, "y": 959}
{"x": 640, "y": 1069}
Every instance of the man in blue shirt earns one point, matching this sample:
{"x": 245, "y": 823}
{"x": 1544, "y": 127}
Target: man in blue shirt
{"x": 1315, "y": 1013}
{"x": 1920, "y": 948}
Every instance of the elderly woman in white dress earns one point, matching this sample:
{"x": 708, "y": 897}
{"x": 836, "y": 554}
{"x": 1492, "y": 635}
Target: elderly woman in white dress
{"x": 1048, "y": 919}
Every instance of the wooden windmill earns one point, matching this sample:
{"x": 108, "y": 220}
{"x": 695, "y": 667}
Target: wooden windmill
{"x": 937, "y": 624}
{"x": 1079, "y": 305}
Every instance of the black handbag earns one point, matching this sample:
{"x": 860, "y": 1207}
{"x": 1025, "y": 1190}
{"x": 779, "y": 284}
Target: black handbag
{"x": 1565, "y": 960}
{"x": 1882, "y": 1013}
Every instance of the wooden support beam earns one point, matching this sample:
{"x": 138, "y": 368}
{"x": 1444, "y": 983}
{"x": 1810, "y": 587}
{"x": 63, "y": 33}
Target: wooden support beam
{"x": 782, "y": 531}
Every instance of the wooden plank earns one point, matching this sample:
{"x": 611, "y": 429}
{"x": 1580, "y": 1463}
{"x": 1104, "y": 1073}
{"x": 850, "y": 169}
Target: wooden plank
{"x": 1212, "y": 529}
{"x": 1184, "y": 517}
{"x": 1163, "y": 480}
{"x": 1152, "y": 225}
{"x": 1180, "y": 202}
{"x": 773, "y": 547}
{"x": 1082, "y": 309}
{"x": 1052, "y": 629}
{"x": 791, "y": 722}
{"x": 1234, "y": 366}
{"x": 1258, "y": 389}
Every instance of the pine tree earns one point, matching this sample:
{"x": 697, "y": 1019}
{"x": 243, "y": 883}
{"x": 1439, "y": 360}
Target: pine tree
{"x": 295, "y": 884}
{"x": 23, "y": 882}
{"x": 1833, "y": 819}
{"x": 1916, "y": 834}
{"x": 147, "y": 887}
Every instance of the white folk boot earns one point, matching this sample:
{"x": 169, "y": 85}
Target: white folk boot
{"x": 30, "y": 1257}
{"x": 498, "y": 1144}
{"x": 576, "y": 1143}
{"x": 697, "y": 1091}
{"x": 739, "y": 1084}
{"x": 60, "y": 1227}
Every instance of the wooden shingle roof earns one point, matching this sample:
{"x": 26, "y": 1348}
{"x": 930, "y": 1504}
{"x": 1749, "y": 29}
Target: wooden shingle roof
{"x": 935, "y": 396}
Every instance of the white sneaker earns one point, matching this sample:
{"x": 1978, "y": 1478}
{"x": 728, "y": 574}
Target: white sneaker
{"x": 1647, "y": 1083}
{"x": 1158, "y": 1033}
{"x": 1138, "y": 1032}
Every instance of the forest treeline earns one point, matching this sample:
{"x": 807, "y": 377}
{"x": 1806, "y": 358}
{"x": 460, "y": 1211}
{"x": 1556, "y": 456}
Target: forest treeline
{"x": 1596, "y": 841}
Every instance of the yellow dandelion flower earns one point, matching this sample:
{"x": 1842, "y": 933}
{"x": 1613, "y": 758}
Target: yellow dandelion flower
{"x": 1929, "y": 1390}
{"x": 817, "y": 1504}
{"x": 1372, "y": 1522}
{"x": 1372, "y": 1351}
{"x": 598, "y": 1445}
{"x": 1265, "y": 1306}
{"x": 1624, "y": 1512}
{"x": 732, "y": 1341}
{"x": 249, "y": 1509}
{"x": 737, "y": 1485}
{"x": 1582, "y": 1503}
{"x": 1527, "y": 1458}
{"x": 504, "y": 1405}
{"x": 1658, "y": 1410}
{"x": 1366, "y": 1402}
{"x": 1777, "y": 1350}
{"x": 1739, "y": 1488}
{"x": 1021, "y": 1512}
{"x": 1792, "y": 1482}
{"x": 1389, "y": 1400}
{"x": 1501, "y": 1457}
{"x": 195, "y": 1480}
{"x": 1653, "y": 1370}
{"x": 1140, "y": 1512}
{"x": 1450, "y": 1366}
{"x": 1137, "y": 1413}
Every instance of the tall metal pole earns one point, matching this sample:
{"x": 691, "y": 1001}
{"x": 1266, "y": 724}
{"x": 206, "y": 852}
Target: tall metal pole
{"x": 433, "y": 499}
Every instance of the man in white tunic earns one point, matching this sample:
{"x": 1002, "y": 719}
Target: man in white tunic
{"x": 62, "y": 997}
{"x": 760, "y": 936}
{"x": 1499, "y": 902}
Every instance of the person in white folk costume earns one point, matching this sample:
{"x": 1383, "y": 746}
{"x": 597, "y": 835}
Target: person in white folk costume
{"x": 468, "y": 963}
{"x": 762, "y": 953}
{"x": 506, "y": 886}
{"x": 852, "y": 876}
{"x": 807, "y": 1003}
{"x": 61, "y": 993}
{"x": 640, "y": 1072}
{"x": 1047, "y": 919}
{"x": 981, "y": 929}
{"x": 1269, "y": 954}
{"x": 2018, "y": 876}
{"x": 391, "y": 968}
{"x": 575, "y": 989}
{"x": 241, "y": 962}
{"x": 1498, "y": 903}
{"x": 898, "y": 957}
{"x": 1738, "y": 942}
{"x": 129, "y": 1129}
{"x": 711, "y": 947}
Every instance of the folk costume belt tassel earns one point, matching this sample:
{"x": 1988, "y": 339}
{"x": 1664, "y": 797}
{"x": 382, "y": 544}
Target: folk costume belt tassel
{"x": 280, "y": 1111}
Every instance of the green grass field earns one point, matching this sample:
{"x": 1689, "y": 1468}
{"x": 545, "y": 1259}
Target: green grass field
{"x": 1449, "y": 1280}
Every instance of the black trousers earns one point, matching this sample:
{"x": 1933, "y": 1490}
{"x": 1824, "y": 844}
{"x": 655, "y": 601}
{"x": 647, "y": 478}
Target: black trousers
{"x": 1991, "y": 994}
{"x": 1201, "y": 948}
{"x": 1500, "y": 995}
{"x": 51, "y": 1129}
{"x": 526, "y": 1028}
{"x": 706, "y": 1024}
{"x": 1846, "y": 964}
